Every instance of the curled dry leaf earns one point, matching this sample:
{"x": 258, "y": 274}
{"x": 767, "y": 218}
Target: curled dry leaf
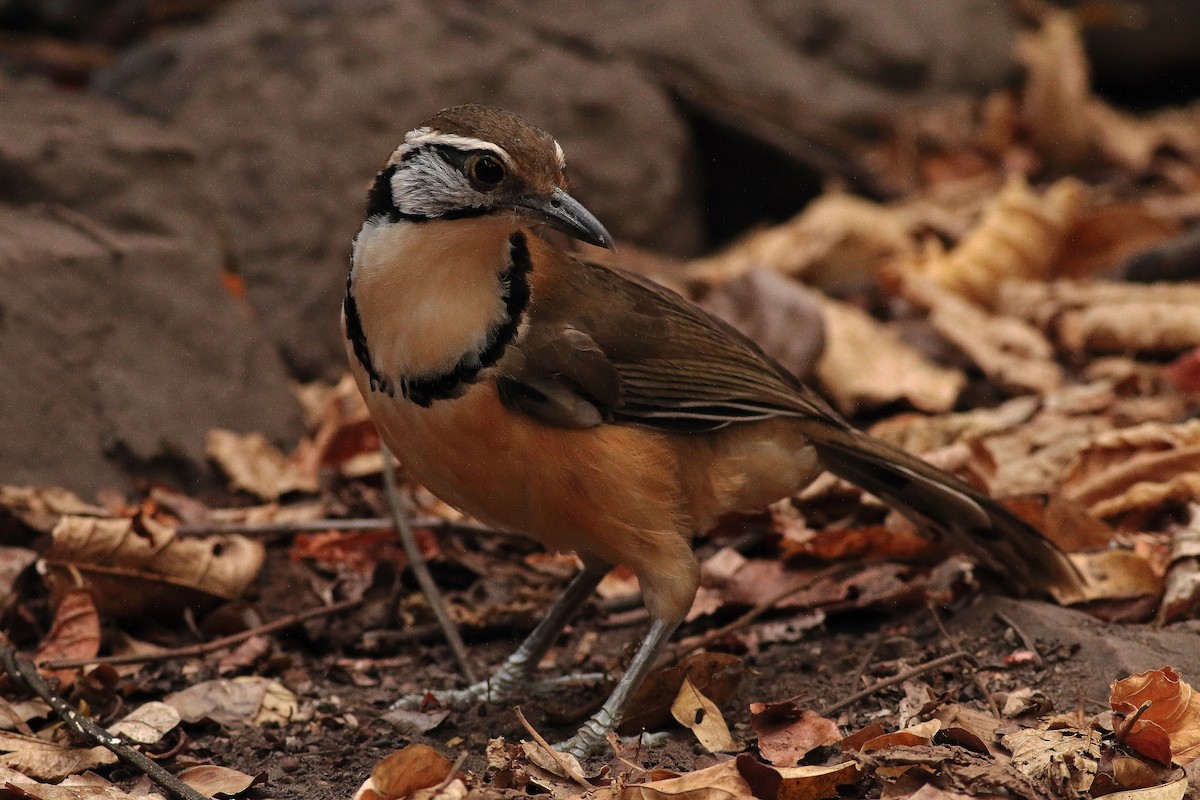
{"x": 1174, "y": 710}
{"x": 1010, "y": 351}
{"x": 838, "y": 240}
{"x": 1181, "y": 596}
{"x": 866, "y": 365}
{"x": 786, "y": 734}
{"x": 220, "y": 782}
{"x": 404, "y": 773}
{"x": 245, "y": 700}
{"x": 1063, "y": 760}
{"x": 1137, "y": 467}
{"x": 255, "y": 465}
{"x": 137, "y": 566}
{"x": 1019, "y": 237}
{"x": 1109, "y": 316}
{"x": 75, "y": 633}
{"x": 88, "y": 786}
{"x": 701, "y": 716}
{"x": 1116, "y": 575}
{"x": 1175, "y": 790}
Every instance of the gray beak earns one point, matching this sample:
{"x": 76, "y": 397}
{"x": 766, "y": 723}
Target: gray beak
{"x": 564, "y": 213}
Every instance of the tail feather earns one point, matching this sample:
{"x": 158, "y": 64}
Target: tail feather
{"x": 969, "y": 519}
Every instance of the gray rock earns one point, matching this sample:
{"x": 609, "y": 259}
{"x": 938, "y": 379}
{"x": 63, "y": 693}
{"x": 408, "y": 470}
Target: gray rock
{"x": 119, "y": 346}
{"x": 296, "y": 103}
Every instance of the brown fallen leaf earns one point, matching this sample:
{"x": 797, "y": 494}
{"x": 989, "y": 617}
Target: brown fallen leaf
{"x": 1116, "y": 575}
{"x": 343, "y": 438}
{"x": 220, "y": 782}
{"x": 694, "y": 711}
{"x": 1137, "y": 467}
{"x": 738, "y": 778}
{"x": 146, "y": 724}
{"x": 255, "y": 465}
{"x": 405, "y": 772}
{"x": 1175, "y": 790}
{"x": 866, "y": 365}
{"x": 87, "y": 786}
{"x": 1057, "y": 90}
{"x": 1181, "y": 593}
{"x": 795, "y": 783}
{"x": 836, "y": 241}
{"x": 245, "y": 700}
{"x": 75, "y": 633}
{"x": 1010, "y": 351}
{"x": 138, "y": 566}
{"x": 1063, "y": 760}
{"x": 13, "y": 561}
{"x": 40, "y": 508}
{"x": 1174, "y": 709}
{"x": 913, "y": 736}
{"x": 786, "y": 734}
{"x": 1019, "y": 237}
{"x": 43, "y": 760}
{"x": 717, "y": 675}
{"x": 1184, "y": 371}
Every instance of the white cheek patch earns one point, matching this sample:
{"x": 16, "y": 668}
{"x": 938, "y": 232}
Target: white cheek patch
{"x": 427, "y": 186}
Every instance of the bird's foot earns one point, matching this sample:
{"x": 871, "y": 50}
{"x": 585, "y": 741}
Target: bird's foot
{"x": 503, "y": 687}
{"x": 591, "y": 738}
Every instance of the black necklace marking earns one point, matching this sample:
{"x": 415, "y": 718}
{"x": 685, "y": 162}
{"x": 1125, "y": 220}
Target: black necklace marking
{"x": 424, "y": 389}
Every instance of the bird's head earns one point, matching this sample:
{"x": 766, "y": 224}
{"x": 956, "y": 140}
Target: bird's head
{"x": 474, "y": 161}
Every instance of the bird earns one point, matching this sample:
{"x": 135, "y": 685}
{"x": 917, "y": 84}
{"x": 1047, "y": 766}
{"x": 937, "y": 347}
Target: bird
{"x": 591, "y": 408}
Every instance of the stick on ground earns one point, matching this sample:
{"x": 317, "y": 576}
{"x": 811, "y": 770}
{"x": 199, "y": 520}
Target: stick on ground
{"x": 24, "y": 673}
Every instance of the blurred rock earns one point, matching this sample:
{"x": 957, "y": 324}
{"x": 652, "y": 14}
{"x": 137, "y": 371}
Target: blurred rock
{"x": 672, "y": 115}
{"x": 120, "y": 347}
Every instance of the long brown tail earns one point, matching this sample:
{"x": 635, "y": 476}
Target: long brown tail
{"x": 968, "y": 518}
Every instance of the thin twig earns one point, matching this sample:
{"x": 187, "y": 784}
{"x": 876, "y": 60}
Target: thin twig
{"x": 567, "y": 769}
{"x": 284, "y": 528}
{"x": 899, "y": 677}
{"x": 23, "y": 672}
{"x": 1026, "y": 639}
{"x": 690, "y": 645}
{"x": 436, "y": 602}
{"x": 194, "y": 650}
{"x": 446, "y": 781}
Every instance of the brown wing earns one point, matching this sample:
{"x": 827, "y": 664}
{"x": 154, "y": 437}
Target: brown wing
{"x": 631, "y": 351}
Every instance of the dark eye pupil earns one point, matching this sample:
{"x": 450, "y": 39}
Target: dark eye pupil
{"x": 488, "y": 170}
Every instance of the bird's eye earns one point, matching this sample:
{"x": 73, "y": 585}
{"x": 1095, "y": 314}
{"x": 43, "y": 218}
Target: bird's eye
{"x": 486, "y": 170}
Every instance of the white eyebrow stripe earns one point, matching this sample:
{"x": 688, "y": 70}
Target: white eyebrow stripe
{"x": 562, "y": 157}
{"x": 426, "y": 136}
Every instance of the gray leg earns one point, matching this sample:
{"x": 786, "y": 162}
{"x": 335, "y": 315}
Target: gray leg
{"x": 593, "y": 735}
{"x": 513, "y": 678}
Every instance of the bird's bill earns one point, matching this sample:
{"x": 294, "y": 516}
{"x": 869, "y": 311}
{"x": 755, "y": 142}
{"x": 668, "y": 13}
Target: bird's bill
{"x": 564, "y": 213}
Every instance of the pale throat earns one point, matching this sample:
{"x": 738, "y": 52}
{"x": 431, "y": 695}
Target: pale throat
{"x": 429, "y": 293}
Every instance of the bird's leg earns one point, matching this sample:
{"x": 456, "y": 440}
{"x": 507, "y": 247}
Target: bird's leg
{"x": 514, "y": 676}
{"x": 593, "y": 734}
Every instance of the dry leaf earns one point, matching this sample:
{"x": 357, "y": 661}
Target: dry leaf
{"x": 75, "y": 633}
{"x": 795, "y": 783}
{"x": 40, "y": 508}
{"x": 44, "y": 760}
{"x": 913, "y": 736}
{"x": 88, "y": 786}
{"x": 1175, "y": 790}
{"x": 1181, "y": 595}
{"x": 696, "y": 712}
{"x": 1174, "y": 708}
{"x": 866, "y": 365}
{"x": 786, "y": 734}
{"x": 838, "y": 240}
{"x": 405, "y": 772}
{"x": 1065, "y": 760}
{"x": 1057, "y": 90}
{"x": 1137, "y": 467}
{"x": 218, "y": 782}
{"x": 1116, "y": 575}
{"x": 715, "y": 674}
{"x": 721, "y": 781}
{"x": 1010, "y": 351}
{"x": 147, "y": 724}
{"x": 245, "y": 700}
{"x": 1019, "y": 237}
{"x": 137, "y": 566}
{"x": 13, "y": 561}
{"x": 255, "y": 465}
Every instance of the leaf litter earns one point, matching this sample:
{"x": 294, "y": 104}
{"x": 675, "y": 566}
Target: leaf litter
{"x": 981, "y": 318}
